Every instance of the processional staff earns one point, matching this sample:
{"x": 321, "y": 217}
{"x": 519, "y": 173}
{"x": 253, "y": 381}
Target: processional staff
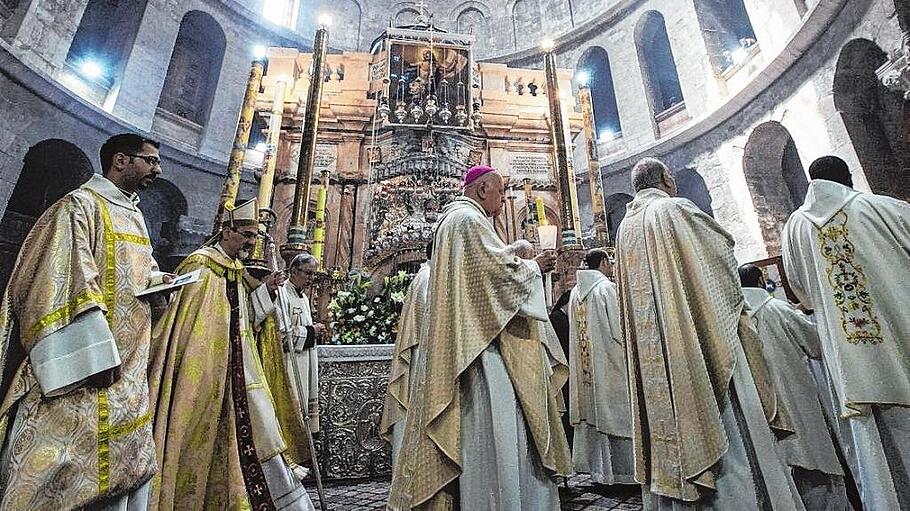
{"x": 241, "y": 138}
{"x": 595, "y": 181}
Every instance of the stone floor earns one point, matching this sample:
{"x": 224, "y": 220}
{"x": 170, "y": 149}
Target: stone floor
{"x": 582, "y": 494}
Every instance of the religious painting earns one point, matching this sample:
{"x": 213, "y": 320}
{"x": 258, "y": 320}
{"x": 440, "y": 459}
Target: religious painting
{"x": 773, "y": 269}
{"x": 374, "y": 154}
{"x": 429, "y": 83}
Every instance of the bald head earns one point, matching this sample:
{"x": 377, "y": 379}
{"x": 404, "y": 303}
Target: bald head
{"x": 489, "y": 191}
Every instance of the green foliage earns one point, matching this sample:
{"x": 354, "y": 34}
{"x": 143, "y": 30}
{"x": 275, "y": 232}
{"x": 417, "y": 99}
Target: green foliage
{"x": 359, "y": 317}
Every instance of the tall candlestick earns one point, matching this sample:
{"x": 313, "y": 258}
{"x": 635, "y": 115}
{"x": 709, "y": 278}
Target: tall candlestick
{"x": 595, "y": 182}
{"x": 564, "y": 175}
{"x": 530, "y": 233}
{"x": 267, "y": 179}
{"x": 541, "y": 212}
{"x": 319, "y": 230}
{"x": 307, "y": 163}
{"x": 241, "y": 138}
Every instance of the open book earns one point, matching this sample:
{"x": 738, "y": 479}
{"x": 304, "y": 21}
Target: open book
{"x": 179, "y": 281}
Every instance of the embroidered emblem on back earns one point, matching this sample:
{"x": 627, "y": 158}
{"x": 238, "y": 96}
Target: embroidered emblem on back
{"x": 848, "y": 280}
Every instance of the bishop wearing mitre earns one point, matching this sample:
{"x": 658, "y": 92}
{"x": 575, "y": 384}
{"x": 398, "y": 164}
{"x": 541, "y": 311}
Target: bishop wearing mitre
{"x": 483, "y": 426}
{"x": 218, "y": 438}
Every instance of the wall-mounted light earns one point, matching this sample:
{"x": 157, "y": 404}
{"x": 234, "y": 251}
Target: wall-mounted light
{"x": 91, "y": 69}
{"x": 582, "y": 78}
{"x": 259, "y": 52}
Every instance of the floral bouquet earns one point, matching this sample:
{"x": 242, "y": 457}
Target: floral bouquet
{"x": 358, "y": 317}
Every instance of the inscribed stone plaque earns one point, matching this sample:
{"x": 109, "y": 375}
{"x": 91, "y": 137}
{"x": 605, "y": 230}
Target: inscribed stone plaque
{"x": 531, "y": 165}
{"x": 326, "y": 156}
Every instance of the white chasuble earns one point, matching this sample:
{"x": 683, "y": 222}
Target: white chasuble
{"x": 598, "y": 382}
{"x": 701, "y": 394}
{"x": 847, "y": 257}
{"x": 70, "y": 312}
{"x": 789, "y": 339}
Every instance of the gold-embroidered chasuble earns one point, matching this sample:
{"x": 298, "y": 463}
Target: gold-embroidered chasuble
{"x": 211, "y": 436}
{"x": 88, "y": 254}
{"x": 477, "y": 288}
{"x": 681, "y": 307}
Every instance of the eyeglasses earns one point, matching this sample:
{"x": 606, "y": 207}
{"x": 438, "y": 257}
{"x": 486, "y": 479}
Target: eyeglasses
{"x": 154, "y": 161}
{"x": 246, "y": 234}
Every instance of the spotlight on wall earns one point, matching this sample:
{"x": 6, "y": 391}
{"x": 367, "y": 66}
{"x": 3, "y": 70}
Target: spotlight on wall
{"x": 324, "y": 20}
{"x": 582, "y": 78}
{"x": 548, "y": 44}
{"x": 91, "y": 69}
{"x": 259, "y": 52}
{"x": 606, "y": 136}
{"x": 739, "y": 55}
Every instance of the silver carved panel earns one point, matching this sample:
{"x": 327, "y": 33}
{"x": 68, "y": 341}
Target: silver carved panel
{"x": 351, "y": 394}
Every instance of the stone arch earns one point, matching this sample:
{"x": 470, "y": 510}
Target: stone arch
{"x": 874, "y": 118}
{"x": 615, "y": 211}
{"x": 162, "y": 205}
{"x": 472, "y": 20}
{"x": 691, "y": 185}
{"x": 406, "y": 17}
{"x": 655, "y": 56}
{"x": 51, "y": 169}
{"x": 105, "y": 37}
{"x": 194, "y": 69}
{"x": 525, "y": 22}
{"x": 596, "y": 62}
{"x": 775, "y": 177}
{"x": 727, "y": 31}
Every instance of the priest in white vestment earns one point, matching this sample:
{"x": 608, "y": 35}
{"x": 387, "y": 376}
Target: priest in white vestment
{"x": 598, "y": 377}
{"x": 75, "y": 346}
{"x": 297, "y": 330}
{"x": 789, "y": 340}
{"x": 483, "y": 427}
{"x": 412, "y": 327}
{"x": 847, "y": 256}
{"x": 701, "y": 395}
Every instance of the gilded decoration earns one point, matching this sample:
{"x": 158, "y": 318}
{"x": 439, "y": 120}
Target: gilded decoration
{"x": 848, "y": 280}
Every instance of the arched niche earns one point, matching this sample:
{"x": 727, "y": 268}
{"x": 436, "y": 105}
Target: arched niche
{"x": 525, "y": 23}
{"x": 877, "y": 119}
{"x": 194, "y": 69}
{"x": 51, "y": 169}
{"x": 472, "y": 21}
{"x": 775, "y": 177}
{"x": 406, "y": 17}
{"x": 658, "y": 69}
{"x": 691, "y": 185}
{"x": 615, "y": 211}
{"x": 162, "y": 205}
{"x": 727, "y": 31}
{"x": 105, "y": 37}
{"x": 596, "y": 63}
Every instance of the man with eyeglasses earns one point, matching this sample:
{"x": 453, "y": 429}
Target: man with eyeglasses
{"x": 219, "y": 438}
{"x": 75, "y": 345}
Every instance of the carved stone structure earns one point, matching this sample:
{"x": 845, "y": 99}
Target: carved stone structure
{"x": 402, "y": 124}
{"x": 352, "y": 383}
